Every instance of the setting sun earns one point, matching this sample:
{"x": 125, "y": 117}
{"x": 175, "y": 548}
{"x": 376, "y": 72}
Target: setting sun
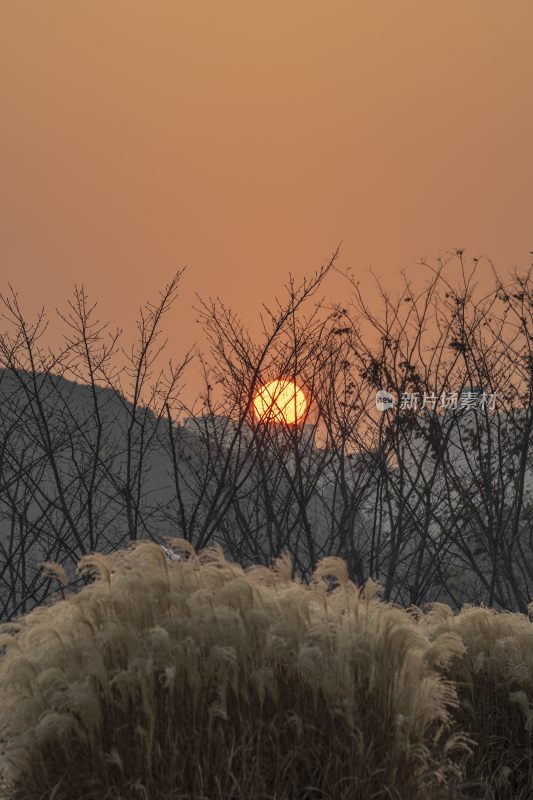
{"x": 280, "y": 401}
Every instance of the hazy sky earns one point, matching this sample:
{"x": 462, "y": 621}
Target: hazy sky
{"x": 247, "y": 139}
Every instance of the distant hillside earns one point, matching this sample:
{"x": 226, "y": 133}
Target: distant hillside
{"x": 76, "y": 475}
{"x": 442, "y": 509}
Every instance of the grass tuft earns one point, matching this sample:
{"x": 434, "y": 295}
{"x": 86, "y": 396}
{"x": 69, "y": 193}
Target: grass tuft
{"x": 198, "y": 679}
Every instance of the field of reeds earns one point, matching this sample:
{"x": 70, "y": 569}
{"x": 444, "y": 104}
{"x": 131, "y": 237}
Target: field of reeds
{"x": 197, "y": 679}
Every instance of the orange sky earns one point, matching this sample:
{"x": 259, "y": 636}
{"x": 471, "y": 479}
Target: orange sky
{"x": 247, "y": 139}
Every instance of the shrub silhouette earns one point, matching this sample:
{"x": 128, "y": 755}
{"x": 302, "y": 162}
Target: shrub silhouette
{"x": 198, "y": 679}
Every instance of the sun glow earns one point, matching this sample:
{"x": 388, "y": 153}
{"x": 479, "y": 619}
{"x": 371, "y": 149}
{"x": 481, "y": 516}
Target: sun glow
{"x": 280, "y": 401}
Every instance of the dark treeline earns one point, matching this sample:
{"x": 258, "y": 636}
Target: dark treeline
{"x": 433, "y": 502}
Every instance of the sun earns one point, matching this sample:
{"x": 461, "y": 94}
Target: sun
{"x": 280, "y": 401}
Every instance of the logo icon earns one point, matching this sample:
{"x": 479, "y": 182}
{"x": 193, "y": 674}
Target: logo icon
{"x": 384, "y": 400}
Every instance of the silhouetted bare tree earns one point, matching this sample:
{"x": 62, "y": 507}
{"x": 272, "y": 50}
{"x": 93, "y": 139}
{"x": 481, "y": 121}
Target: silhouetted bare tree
{"x": 432, "y": 498}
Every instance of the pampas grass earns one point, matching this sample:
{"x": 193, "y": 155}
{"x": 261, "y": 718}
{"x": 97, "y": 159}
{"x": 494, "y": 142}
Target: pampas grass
{"x": 494, "y": 680}
{"x": 197, "y": 679}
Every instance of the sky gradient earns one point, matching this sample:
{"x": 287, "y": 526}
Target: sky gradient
{"x": 246, "y": 140}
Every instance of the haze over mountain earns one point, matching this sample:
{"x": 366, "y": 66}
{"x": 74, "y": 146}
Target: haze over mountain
{"x": 83, "y": 470}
